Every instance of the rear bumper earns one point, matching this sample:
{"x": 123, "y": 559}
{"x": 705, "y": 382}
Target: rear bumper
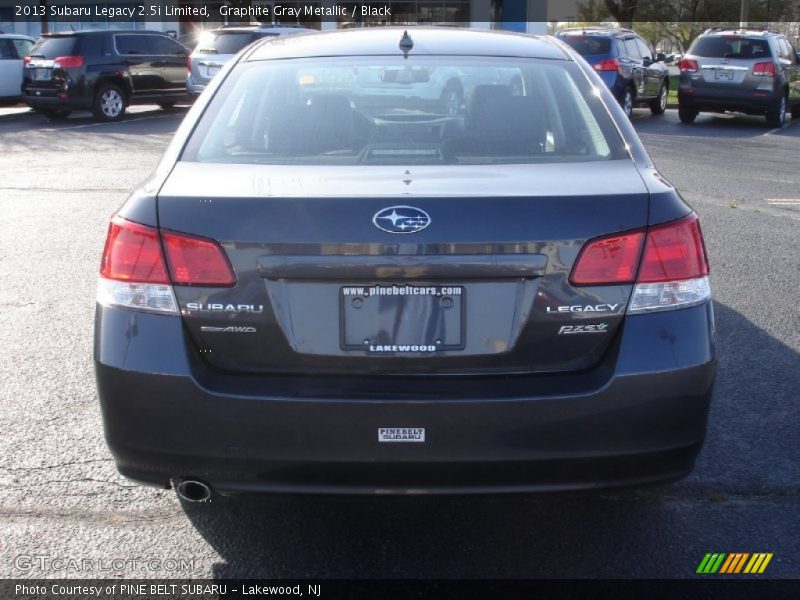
{"x": 194, "y": 87}
{"x": 48, "y": 98}
{"x": 639, "y": 418}
{"x": 718, "y": 100}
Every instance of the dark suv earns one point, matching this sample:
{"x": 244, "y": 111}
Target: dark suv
{"x": 626, "y": 63}
{"x": 754, "y": 72}
{"x": 104, "y": 71}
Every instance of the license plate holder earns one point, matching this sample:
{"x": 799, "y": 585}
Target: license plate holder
{"x": 40, "y": 74}
{"x": 726, "y": 74}
{"x": 402, "y": 319}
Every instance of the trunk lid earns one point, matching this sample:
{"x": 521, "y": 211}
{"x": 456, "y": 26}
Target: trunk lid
{"x": 324, "y": 285}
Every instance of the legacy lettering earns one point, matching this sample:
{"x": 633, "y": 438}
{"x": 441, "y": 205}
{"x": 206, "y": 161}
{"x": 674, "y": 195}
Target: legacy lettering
{"x": 577, "y": 308}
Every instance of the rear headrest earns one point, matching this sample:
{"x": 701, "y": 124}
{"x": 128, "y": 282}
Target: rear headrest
{"x": 496, "y": 115}
{"x": 484, "y": 99}
{"x": 321, "y": 123}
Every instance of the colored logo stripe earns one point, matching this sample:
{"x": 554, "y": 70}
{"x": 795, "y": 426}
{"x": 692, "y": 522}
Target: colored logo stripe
{"x": 711, "y": 563}
{"x": 723, "y": 563}
{"x": 758, "y": 563}
{"x": 734, "y": 563}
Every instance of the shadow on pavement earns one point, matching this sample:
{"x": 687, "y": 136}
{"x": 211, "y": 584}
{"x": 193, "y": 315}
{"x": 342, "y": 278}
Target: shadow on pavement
{"x": 654, "y": 532}
{"x": 32, "y": 121}
{"x": 728, "y": 125}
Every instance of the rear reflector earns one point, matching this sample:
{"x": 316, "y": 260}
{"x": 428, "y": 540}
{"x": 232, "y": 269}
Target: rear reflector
{"x": 68, "y": 62}
{"x": 196, "y": 261}
{"x": 672, "y": 272}
{"x": 608, "y": 261}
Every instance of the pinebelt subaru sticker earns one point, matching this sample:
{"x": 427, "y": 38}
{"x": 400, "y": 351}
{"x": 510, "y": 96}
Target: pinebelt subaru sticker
{"x": 401, "y": 434}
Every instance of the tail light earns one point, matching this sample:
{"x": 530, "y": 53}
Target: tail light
{"x": 68, "y": 62}
{"x": 674, "y": 251}
{"x": 197, "y": 261}
{"x": 687, "y": 65}
{"x": 764, "y": 69}
{"x": 609, "y": 64}
{"x": 608, "y": 261}
{"x": 672, "y": 271}
{"x": 139, "y": 266}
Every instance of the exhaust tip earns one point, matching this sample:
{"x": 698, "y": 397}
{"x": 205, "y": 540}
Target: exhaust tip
{"x": 192, "y": 490}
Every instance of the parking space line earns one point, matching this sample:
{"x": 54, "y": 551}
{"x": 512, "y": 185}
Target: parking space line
{"x": 783, "y": 200}
{"x": 85, "y": 125}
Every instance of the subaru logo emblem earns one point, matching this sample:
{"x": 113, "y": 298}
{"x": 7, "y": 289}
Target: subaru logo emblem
{"x": 401, "y": 219}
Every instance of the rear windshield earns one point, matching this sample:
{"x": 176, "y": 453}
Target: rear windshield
{"x": 588, "y": 45}
{"x": 53, "y": 47}
{"x": 224, "y": 43}
{"x": 718, "y": 46}
{"x": 422, "y": 111}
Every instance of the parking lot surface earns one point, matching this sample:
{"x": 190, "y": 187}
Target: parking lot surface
{"x": 60, "y": 496}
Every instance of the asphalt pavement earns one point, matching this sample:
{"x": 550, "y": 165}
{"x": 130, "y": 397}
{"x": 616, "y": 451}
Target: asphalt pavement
{"x": 61, "y": 498}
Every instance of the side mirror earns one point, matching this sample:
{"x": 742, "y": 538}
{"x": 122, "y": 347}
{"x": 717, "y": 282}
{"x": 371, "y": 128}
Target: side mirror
{"x": 661, "y": 57}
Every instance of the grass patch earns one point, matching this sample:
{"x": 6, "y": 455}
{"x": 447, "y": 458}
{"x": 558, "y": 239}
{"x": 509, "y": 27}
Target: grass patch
{"x": 674, "y": 81}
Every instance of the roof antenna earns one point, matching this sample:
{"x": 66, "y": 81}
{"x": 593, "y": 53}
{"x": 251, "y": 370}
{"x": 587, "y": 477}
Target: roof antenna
{"x": 406, "y": 44}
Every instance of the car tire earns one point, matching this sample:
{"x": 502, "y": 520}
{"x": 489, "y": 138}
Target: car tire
{"x": 627, "y": 102}
{"x": 109, "y": 103}
{"x": 776, "y": 118}
{"x": 55, "y": 114}
{"x": 659, "y": 105}
{"x": 687, "y": 115}
{"x": 796, "y": 111}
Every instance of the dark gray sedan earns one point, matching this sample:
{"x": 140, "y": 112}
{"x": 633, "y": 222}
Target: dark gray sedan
{"x": 325, "y": 287}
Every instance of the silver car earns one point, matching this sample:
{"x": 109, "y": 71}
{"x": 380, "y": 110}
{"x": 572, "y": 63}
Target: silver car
{"x": 750, "y": 71}
{"x": 13, "y": 50}
{"x": 217, "y": 46}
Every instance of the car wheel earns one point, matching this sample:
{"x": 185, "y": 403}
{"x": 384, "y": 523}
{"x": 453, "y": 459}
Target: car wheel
{"x": 686, "y": 115}
{"x": 777, "y": 118}
{"x": 109, "y": 103}
{"x": 54, "y": 113}
{"x": 627, "y": 102}
{"x": 167, "y": 105}
{"x": 659, "y": 105}
{"x": 452, "y": 99}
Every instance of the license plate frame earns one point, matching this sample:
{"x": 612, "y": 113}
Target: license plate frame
{"x": 723, "y": 74}
{"x": 402, "y": 321}
{"x": 42, "y": 74}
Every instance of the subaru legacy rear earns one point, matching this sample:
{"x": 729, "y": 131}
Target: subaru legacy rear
{"x": 323, "y": 288}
